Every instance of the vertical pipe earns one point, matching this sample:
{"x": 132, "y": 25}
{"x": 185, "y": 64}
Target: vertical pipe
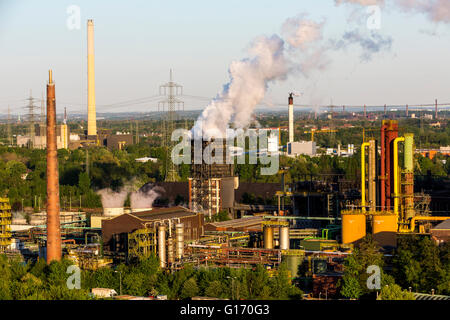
{"x": 363, "y": 176}
{"x": 382, "y": 167}
{"x": 179, "y": 245}
{"x": 162, "y": 245}
{"x": 372, "y": 175}
{"x": 396, "y": 175}
{"x": 92, "y": 125}
{"x": 391, "y": 134}
{"x": 409, "y": 175}
{"x": 53, "y": 223}
{"x": 291, "y": 118}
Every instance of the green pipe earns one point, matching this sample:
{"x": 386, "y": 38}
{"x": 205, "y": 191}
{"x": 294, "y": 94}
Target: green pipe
{"x": 409, "y": 151}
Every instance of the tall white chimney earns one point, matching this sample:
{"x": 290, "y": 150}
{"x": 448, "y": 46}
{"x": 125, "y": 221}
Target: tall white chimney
{"x": 291, "y": 118}
{"x": 92, "y": 118}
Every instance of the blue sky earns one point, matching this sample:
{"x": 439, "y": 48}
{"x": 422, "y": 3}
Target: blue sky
{"x": 137, "y": 42}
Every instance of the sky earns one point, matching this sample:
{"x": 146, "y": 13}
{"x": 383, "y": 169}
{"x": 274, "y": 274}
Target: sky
{"x": 138, "y": 42}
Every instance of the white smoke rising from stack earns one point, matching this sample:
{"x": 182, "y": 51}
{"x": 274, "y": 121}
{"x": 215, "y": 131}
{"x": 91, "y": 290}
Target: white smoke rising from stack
{"x": 144, "y": 199}
{"x": 111, "y": 199}
{"x": 267, "y": 62}
{"x": 435, "y": 10}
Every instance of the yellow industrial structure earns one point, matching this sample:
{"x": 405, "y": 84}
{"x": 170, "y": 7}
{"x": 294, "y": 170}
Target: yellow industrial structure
{"x": 313, "y": 131}
{"x": 5, "y": 224}
{"x": 390, "y": 217}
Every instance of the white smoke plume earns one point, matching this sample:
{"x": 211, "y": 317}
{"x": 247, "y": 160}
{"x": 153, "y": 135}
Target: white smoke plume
{"x": 370, "y": 43}
{"x": 144, "y": 198}
{"x": 267, "y": 62}
{"x": 361, "y": 2}
{"x": 111, "y": 199}
{"x": 435, "y": 10}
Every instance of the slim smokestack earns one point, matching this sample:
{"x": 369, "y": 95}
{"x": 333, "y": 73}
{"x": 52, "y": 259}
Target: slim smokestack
{"x": 435, "y": 109}
{"x": 92, "y": 125}
{"x": 407, "y": 111}
{"x": 291, "y": 118}
{"x": 365, "y": 111}
{"x": 53, "y": 225}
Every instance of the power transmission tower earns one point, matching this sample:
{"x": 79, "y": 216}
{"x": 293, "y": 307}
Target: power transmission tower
{"x": 172, "y": 104}
{"x": 30, "y": 108}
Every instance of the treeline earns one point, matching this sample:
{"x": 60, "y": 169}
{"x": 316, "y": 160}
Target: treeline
{"x": 40, "y": 281}
{"x": 417, "y": 263}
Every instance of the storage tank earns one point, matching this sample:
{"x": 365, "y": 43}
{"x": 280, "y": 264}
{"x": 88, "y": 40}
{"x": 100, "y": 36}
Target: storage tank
{"x": 179, "y": 245}
{"x": 284, "y": 238}
{"x": 353, "y": 226}
{"x": 268, "y": 237}
{"x": 112, "y": 212}
{"x": 162, "y": 245}
{"x": 384, "y": 229}
{"x": 293, "y": 262}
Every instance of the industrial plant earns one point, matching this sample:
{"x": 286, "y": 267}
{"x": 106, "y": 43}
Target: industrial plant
{"x": 302, "y": 224}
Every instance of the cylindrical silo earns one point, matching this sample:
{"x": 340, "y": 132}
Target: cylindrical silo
{"x": 179, "y": 234}
{"x": 284, "y": 238}
{"x": 409, "y": 176}
{"x": 268, "y": 237}
{"x": 353, "y": 226}
{"x": 162, "y": 245}
{"x": 384, "y": 229}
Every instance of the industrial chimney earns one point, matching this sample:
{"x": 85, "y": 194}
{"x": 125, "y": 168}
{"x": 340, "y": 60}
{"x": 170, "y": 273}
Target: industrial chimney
{"x": 291, "y": 117}
{"x": 53, "y": 224}
{"x": 92, "y": 125}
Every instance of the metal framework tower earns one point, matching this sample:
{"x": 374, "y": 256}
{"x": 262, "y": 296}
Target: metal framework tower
{"x": 171, "y": 90}
{"x": 30, "y": 108}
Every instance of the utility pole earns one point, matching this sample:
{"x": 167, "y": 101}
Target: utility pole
{"x": 171, "y": 90}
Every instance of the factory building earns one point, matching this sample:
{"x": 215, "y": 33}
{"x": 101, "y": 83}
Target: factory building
{"x": 116, "y": 231}
{"x": 40, "y": 137}
{"x": 301, "y": 147}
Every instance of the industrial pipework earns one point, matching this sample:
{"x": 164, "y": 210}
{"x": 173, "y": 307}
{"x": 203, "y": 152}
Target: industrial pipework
{"x": 396, "y": 175}
{"x": 53, "y": 222}
{"x": 363, "y": 176}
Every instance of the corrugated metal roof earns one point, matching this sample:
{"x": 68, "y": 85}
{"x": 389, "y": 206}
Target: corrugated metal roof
{"x": 424, "y": 296}
{"x": 163, "y": 213}
{"x": 443, "y": 225}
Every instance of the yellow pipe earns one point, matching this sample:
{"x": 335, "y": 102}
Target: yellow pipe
{"x": 412, "y": 224}
{"x": 363, "y": 176}
{"x": 396, "y": 175}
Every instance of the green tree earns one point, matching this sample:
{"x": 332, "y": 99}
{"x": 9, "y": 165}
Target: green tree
{"x": 394, "y": 292}
{"x": 190, "y": 289}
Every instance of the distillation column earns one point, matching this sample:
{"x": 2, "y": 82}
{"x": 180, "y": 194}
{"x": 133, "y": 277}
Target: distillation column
{"x": 162, "y": 245}
{"x": 409, "y": 176}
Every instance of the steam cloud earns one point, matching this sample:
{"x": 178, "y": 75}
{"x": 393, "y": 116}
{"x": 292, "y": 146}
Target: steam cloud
{"x": 436, "y": 10}
{"x": 370, "y": 44}
{"x": 111, "y": 199}
{"x": 144, "y": 199}
{"x": 267, "y": 62}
